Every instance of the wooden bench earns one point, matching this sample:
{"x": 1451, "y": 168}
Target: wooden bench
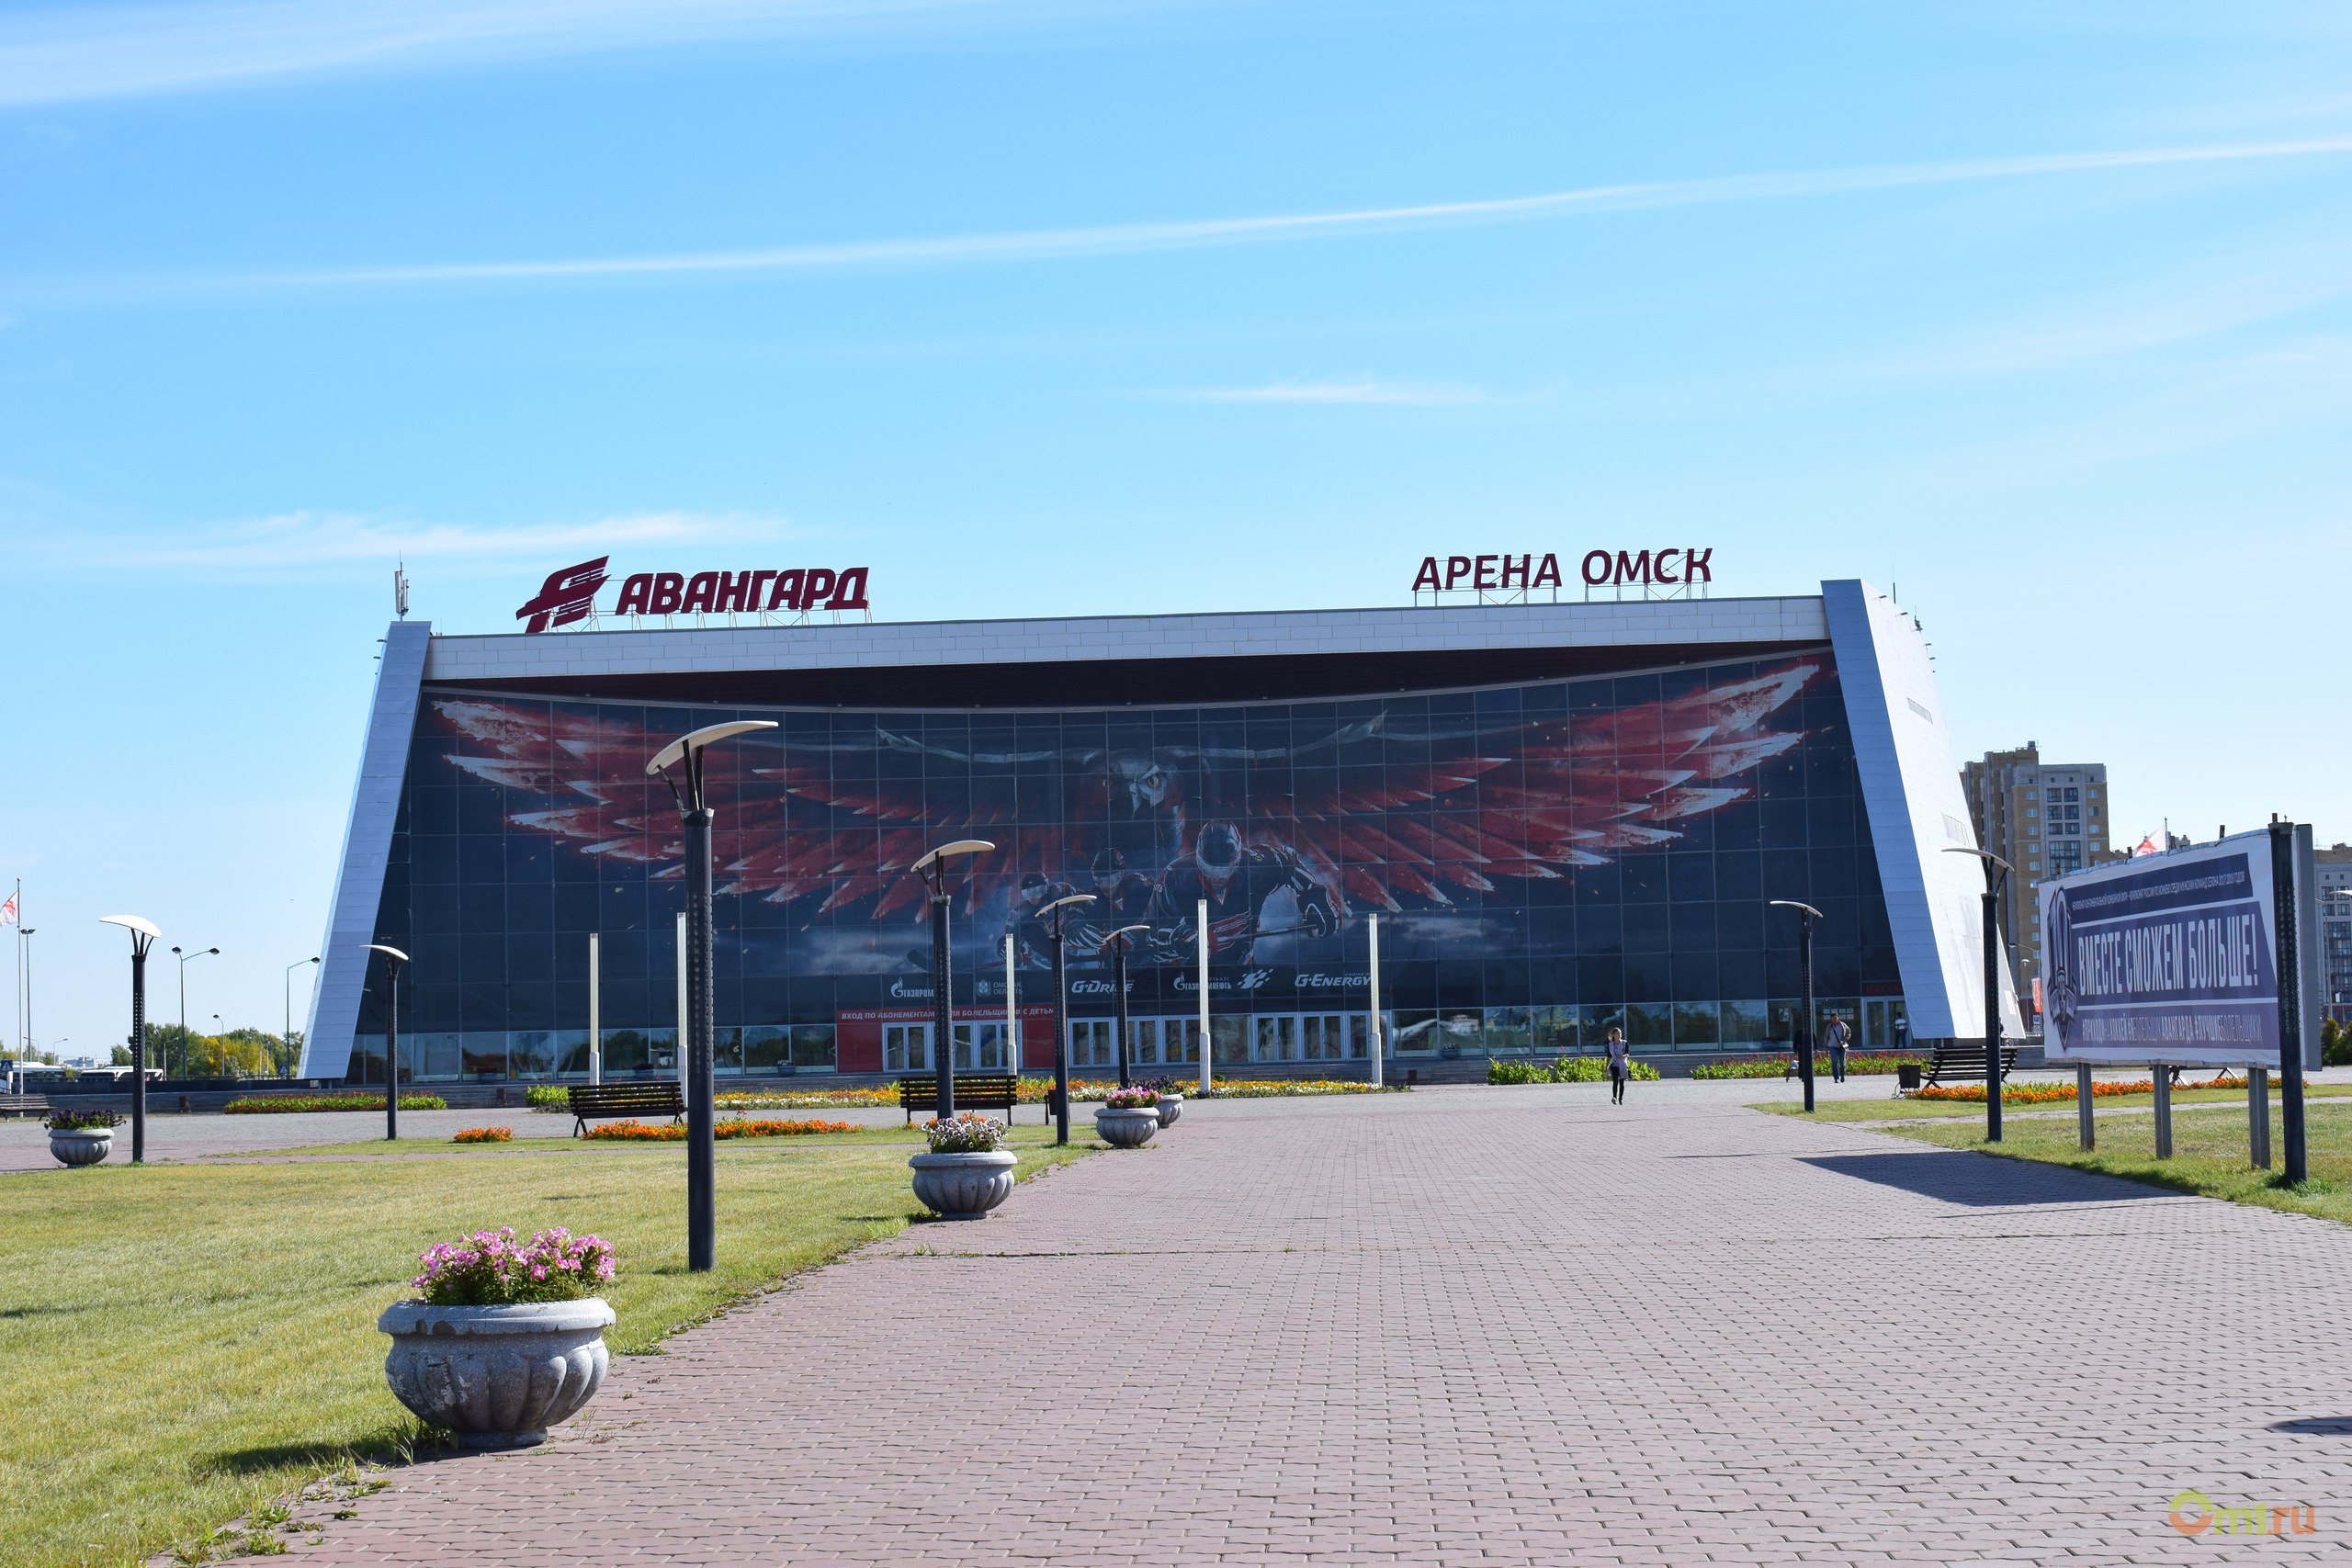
{"x": 607, "y": 1101}
{"x": 977, "y": 1092}
{"x": 24, "y": 1105}
{"x": 1964, "y": 1061}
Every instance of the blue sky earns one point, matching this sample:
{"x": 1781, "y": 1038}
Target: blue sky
{"x": 2037, "y": 310}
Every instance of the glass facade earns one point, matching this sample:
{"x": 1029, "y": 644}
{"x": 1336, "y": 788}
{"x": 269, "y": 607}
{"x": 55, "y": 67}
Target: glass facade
{"x": 1547, "y": 860}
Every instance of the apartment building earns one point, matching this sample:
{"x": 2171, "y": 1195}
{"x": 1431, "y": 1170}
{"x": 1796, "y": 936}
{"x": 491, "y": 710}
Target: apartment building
{"x": 2044, "y": 818}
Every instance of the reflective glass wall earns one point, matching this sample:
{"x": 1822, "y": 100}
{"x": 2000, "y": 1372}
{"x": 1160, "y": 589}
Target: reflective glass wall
{"x": 1546, "y": 861}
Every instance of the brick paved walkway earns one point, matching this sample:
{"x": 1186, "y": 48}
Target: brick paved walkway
{"x": 1473, "y": 1326}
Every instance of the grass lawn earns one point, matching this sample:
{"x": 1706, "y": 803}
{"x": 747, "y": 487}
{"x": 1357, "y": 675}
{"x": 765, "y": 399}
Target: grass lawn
{"x": 2209, "y": 1153}
{"x": 183, "y": 1343}
{"x": 1891, "y": 1108}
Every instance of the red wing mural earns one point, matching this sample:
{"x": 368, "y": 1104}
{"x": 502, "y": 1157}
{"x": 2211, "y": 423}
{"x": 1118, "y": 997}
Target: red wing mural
{"x": 1326, "y": 818}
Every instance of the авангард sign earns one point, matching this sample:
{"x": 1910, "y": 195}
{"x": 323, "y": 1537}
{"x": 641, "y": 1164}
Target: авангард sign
{"x": 2167, "y": 959}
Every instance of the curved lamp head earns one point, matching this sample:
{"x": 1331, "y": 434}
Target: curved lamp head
{"x": 960, "y": 846}
{"x": 388, "y": 952}
{"x": 702, "y": 738}
{"x": 1985, "y": 855}
{"x": 145, "y": 928}
{"x": 1068, "y": 899}
{"x": 1792, "y": 904}
{"x": 1110, "y": 937}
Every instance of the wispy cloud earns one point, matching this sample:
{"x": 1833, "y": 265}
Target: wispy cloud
{"x": 302, "y": 541}
{"x": 1129, "y": 239}
{"x": 80, "y": 52}
{"x": 1359, "y": 389}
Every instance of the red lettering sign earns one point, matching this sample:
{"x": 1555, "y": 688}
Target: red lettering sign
{"x": 570, "y": 595}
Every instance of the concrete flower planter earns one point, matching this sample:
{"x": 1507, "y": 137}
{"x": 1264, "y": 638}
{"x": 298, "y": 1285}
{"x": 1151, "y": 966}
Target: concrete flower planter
{"x": 498, "y": 1377}
{"x": 964, "y": 1186}
{"x": 1127, "y": 1129}
{"x": 1170, "y": 1107}
{"x": 81, "y": 1145}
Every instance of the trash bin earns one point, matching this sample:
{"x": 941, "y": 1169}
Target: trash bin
{"x": 1906, "y": 1077}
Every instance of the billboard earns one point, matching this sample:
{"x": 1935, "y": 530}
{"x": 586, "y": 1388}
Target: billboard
{"x": 2174, "y": 958}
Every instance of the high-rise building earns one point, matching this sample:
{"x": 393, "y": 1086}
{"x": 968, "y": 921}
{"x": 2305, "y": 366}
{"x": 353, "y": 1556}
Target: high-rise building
{"x": 2044, "y": 818}
{"x": 2335, "y": 927}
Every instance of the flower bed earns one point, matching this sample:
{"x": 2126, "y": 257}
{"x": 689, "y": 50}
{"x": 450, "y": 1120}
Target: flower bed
{"x": 484, "y": 1136}
{"x": 2055, "y": 1093}
{"x": 634, "y": 1131}
{"x": 1774, "y": 1066}
{"x": 487, "y": 1268}
{"x": 969, "y": 1134}
{"x": 264, "y": 1103}
{"x": 1034, "y": 1091}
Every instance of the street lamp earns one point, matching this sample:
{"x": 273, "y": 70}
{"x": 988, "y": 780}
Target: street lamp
{"x": 1117, "y": 941}
{"x": 25, "y": 981}
{"x": 1806, "y": 915}
{"x": 393, "y": 959}
{"x": 1996, "y": 871}
{"x": 933, "y": 869}
{"x": 184, "y": 957}
{"x": 693, "y": 810}
{"x": 143, "y": 936}
{"x": 1061, "y": 1017}
{"x": 285, "y": 1040}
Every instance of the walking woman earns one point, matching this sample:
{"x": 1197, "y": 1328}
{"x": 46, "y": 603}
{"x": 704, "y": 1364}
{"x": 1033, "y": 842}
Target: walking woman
{"x": 1621, "y": 1066}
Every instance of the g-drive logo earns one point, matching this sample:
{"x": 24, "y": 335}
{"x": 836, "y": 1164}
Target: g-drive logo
{"x": 570, "y": 595}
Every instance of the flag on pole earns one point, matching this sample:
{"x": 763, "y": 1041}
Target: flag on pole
{"x": 9, "y": 909}
{"x": 2147, "y": 847}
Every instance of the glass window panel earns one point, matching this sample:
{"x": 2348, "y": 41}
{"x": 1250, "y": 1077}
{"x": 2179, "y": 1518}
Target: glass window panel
{"x": 1696, "y": 1024}
{"x": 812, "y": 1047}
{"x": 1649, "y": 1026}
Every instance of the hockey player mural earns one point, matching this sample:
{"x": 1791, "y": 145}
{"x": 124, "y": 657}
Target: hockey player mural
{"x": 1288, "y": 820}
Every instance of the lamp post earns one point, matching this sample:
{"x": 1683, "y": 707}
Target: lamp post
{"x": 143, "y": 936}
{"x": 933, "y": 869}
{"x": 393, "y": 959}
{"x": 24, "y": 982}
{"x": 184, "y": 957}
{"x": 1118, "y": 942}
{"x": 694, "y": 809}
{"x": 1806, "y": 915}
{"x": 1996, "y": 871}
{"x": 285, "y": 1040}
{"x": 1061, "y": 1016}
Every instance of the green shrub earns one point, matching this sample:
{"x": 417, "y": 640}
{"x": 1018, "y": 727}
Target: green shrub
{"x": 264, "y": 1103}
{"x": 1567, "y": 1069}
{"x": 548, "y": 1097}
{"x": 2334, "y": 1045}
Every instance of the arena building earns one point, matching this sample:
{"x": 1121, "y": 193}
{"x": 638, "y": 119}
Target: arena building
{"x": 1566, "y": 816}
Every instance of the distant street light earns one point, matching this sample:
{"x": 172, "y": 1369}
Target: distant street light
{"x": 393, "y": 959}
{"x": 933, "y": 869}
{"x": 24, "y": 982}
{"x": 1118, "y": 942}
{"x": 285, "y": 1040}
{"x": 1061, "y": 1015}
{"x": 1806, "y": 915}
{"x": 143, "y": 936}
{"x": 1996, "y": 871}
{"x": 693, "y": 810}
{"x": 186, "y": 957}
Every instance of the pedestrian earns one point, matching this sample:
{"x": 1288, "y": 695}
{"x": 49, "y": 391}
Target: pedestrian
{"x": 1621, "y": 1066}
{"x": 1902, "y": 1031}
{"x": 1839, "y": 1034}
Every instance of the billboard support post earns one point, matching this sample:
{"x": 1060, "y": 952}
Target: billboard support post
{"x": 2162, "y": 1075}
{"x": 2291, "y": 1002}
{"x": 2085, "y": 1126}
{"x": 2257, "y": 1116}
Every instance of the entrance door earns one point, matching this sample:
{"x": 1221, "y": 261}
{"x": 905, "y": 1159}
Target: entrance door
{"x": 1093, "y": 1042}
{"x": 984, "y": 1053}
{"x": 1273, "y": 1038}
{"x": 906, "y": 1048}
{"x": 1323, "y": 1036}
